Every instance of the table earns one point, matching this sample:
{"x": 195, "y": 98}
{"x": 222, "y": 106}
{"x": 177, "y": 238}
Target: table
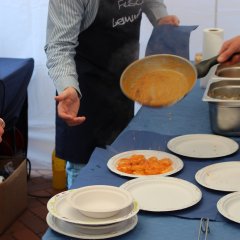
{"x": 152, "y": 128}
{"x": 15, "y": 75}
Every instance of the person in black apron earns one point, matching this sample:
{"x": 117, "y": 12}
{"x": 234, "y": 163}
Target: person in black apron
{"x": 105, "y": 49}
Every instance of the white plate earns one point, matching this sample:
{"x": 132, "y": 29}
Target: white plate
{"x": 82, "y": 232}
{"x": 59, "y": 207}
{"x": 229, "y": 206}
{"x": 162, "y": 194}
{"x": 202, "y": 145}
{"x": 223, "y": 176}
{"x": 113, "y": 162}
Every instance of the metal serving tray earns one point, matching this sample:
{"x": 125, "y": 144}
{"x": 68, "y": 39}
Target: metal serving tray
{"x": 227, "y": 90}
{"x": 223, "y": 97}
{"x": 225, "y": 71}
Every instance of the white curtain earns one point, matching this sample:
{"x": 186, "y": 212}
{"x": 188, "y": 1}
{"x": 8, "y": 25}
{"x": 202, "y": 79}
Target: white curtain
{"x": 23, "y": 30}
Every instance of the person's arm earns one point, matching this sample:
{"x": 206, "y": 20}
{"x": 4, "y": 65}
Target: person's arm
{"x": 61, "y": 41}
{"x": 65, "y": 21}
{"x": 156, "y": 11}
{"x": 230, "y": 47}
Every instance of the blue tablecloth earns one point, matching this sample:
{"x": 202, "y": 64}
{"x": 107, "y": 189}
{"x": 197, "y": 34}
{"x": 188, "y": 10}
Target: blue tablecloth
{"x": 151, "y": 129}
{"x": 149, "y": 140}
{"x": 191, "y": 115}
{"x": 15, "y": 75}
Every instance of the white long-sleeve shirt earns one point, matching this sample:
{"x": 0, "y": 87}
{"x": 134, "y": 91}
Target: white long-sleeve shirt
{"x": 66, "y": 19}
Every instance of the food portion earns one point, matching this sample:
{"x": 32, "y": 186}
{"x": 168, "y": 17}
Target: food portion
{"x": 158, "y": 88}
{"x": 140, "y": 165}
{"x": 158, "y": 80}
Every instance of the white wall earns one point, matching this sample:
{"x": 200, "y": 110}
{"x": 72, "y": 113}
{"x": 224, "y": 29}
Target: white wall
{"x": 23, "y": 26}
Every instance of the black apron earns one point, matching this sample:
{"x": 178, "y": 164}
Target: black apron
{"x": 105, "y": 49}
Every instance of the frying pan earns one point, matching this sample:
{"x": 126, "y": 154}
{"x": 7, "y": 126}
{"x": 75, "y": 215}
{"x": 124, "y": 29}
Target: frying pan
{"x": 163, "y": 79}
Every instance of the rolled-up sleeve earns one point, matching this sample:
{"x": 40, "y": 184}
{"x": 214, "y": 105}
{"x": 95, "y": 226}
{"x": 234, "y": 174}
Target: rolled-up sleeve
{"x": 63, "y": 27}
{"x": 155, "y": 9}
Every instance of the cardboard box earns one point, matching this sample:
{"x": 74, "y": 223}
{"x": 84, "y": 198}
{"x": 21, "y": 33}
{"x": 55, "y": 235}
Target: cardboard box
{"x": 13, "y": 192}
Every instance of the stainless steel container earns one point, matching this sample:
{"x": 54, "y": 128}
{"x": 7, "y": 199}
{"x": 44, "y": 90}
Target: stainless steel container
{"x": 225, "y": 71}
{"x": 223, "y": 96}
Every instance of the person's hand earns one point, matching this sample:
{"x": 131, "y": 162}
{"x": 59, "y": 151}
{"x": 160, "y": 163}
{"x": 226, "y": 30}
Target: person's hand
{"x": 1, "y": 133}
{"x": 170, "y": 19}
{"x": 68, "y": 106}
{"x": 230, "y": 47}
{"x": 2, "y": 126}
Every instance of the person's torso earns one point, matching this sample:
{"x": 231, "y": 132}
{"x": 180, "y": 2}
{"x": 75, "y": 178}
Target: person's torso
{"x": 111, "y": 42}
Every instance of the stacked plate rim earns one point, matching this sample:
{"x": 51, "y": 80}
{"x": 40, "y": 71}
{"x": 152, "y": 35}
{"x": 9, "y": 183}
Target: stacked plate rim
{"x": 65, "y": 219}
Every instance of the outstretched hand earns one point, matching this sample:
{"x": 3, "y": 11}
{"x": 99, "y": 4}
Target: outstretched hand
{"x": 68, "y": 106}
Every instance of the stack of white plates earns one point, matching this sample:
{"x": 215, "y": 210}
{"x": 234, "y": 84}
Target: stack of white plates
{"x": 73, "y": 214}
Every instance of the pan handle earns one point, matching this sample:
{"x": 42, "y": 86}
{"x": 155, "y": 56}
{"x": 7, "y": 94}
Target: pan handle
{"x": 204, "y": 66}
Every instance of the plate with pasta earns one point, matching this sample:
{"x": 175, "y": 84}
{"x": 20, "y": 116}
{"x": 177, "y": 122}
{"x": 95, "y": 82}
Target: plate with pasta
{"x": 143, "y": 163}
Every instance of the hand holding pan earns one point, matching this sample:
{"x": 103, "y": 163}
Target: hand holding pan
{"x": 204, "y": 66}
{"x": 163, "y": 79}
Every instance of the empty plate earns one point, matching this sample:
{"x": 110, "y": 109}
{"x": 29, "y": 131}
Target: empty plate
{"x": 220, "y": 176}
{"x": 202, "y": 145}
{"x": 229, "y": 206}
{"x": 162, "y": 194}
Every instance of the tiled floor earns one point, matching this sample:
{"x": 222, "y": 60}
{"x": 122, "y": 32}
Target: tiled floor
{"x": 32, "y": 224}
